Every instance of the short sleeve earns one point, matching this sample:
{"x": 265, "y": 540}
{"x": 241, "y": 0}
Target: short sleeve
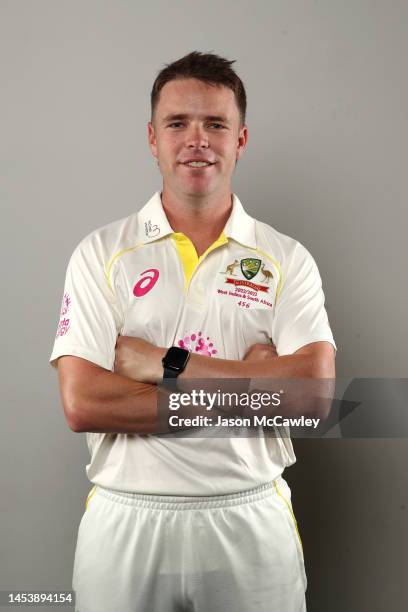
{"x": 91, "y": 317}
{"x": 300, "y": 314}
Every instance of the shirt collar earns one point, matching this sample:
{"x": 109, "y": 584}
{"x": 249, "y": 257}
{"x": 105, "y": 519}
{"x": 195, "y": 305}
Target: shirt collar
{"x": 240, "y": 226}
{"x": 155, "y": 225}
{"x": 153, "y": 221}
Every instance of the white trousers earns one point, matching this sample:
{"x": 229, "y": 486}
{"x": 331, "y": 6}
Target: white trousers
{"x": 226, "y": 553}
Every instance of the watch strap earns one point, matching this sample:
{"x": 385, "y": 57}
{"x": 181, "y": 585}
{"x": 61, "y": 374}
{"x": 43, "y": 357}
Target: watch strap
{"x": 170, "y": 373}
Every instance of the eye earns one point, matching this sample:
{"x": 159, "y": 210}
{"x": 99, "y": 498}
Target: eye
{"x": 175, "y": 124}
{"x": 217, "y": 125}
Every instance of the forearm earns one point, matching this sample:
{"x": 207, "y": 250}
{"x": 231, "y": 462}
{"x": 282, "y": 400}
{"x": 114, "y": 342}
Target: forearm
{"x": 97, "y": 400}
{"x": 108, "y": 402}
{"x": 287, "y": 366}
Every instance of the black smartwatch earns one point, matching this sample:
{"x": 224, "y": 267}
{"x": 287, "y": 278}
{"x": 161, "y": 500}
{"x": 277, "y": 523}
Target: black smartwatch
{"x": 174, "y": 361}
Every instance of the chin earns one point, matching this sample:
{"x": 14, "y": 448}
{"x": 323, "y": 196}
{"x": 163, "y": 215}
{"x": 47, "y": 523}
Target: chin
{"x": 190, "y": 190}
{"x": 199, "y": 193}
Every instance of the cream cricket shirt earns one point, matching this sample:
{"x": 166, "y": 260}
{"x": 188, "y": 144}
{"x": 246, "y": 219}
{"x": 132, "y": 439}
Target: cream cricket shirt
{"x": 137, "y": 277}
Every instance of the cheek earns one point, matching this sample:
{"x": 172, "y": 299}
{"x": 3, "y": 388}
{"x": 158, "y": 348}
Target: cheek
{"x": 230, "y": 159}
{"x": 166, "y": 154}
{"x": 229, "y": 151}
{"x": 174, "y": 149}
{"x": 165, "y": 144}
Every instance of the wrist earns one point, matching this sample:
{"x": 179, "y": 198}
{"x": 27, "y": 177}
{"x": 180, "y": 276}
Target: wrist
{"x": 160, "y": 353}
{"x": 174, "y": 362}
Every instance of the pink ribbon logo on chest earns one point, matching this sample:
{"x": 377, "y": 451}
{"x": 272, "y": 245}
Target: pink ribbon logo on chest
{"x": 195, "y": 343}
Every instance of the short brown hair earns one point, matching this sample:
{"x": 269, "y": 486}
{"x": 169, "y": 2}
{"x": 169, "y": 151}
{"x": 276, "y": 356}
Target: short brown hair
{"x": 207, "y": 67}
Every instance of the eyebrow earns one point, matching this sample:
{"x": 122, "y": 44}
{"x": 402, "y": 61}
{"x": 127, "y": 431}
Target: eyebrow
{"x": 182, "y": 116}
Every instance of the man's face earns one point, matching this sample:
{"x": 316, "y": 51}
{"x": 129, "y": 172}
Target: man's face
{"x": 196, "y": 137}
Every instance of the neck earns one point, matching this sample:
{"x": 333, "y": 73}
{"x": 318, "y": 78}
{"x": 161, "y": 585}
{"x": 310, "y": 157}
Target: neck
{"x": 201, "y": 219}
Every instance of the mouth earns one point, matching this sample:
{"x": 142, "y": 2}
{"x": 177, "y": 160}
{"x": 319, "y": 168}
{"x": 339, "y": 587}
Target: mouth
{"x": 197, "y": 164}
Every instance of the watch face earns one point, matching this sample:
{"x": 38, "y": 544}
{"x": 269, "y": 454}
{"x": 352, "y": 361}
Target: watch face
{"x": 176, "y": 358}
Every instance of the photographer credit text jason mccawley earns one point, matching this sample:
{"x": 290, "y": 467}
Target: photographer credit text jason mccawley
{"x": 218, "y": 399}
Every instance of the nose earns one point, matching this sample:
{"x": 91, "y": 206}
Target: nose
{"x": 197, "y": 137}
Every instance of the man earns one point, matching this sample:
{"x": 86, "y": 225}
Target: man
{"x": 182, "y": 522}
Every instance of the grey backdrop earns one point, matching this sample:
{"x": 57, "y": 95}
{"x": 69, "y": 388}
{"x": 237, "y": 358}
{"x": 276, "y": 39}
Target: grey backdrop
{"x": 326, "y": 164}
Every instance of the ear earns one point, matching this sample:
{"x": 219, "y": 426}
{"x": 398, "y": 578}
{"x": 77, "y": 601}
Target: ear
{"x": 152, "y": 138}
{"x": 242, "y": 141}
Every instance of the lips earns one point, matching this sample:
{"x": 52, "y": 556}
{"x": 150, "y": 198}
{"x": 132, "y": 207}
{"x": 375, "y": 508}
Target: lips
{"x": 197, "y": 163}
{"x": 187, "y": 160}
{"x": 196, "y": 159}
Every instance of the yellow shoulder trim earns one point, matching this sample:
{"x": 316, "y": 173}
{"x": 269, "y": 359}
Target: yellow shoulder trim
{"x": 114, "y": 258}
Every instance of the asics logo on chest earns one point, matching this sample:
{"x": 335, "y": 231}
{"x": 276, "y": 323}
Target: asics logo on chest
{"x": 146, "y": 283}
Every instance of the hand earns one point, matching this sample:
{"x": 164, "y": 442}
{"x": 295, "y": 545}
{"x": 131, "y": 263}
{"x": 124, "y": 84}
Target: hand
{"x": 259, "y": 352}
{"x": 138, "y": 359}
